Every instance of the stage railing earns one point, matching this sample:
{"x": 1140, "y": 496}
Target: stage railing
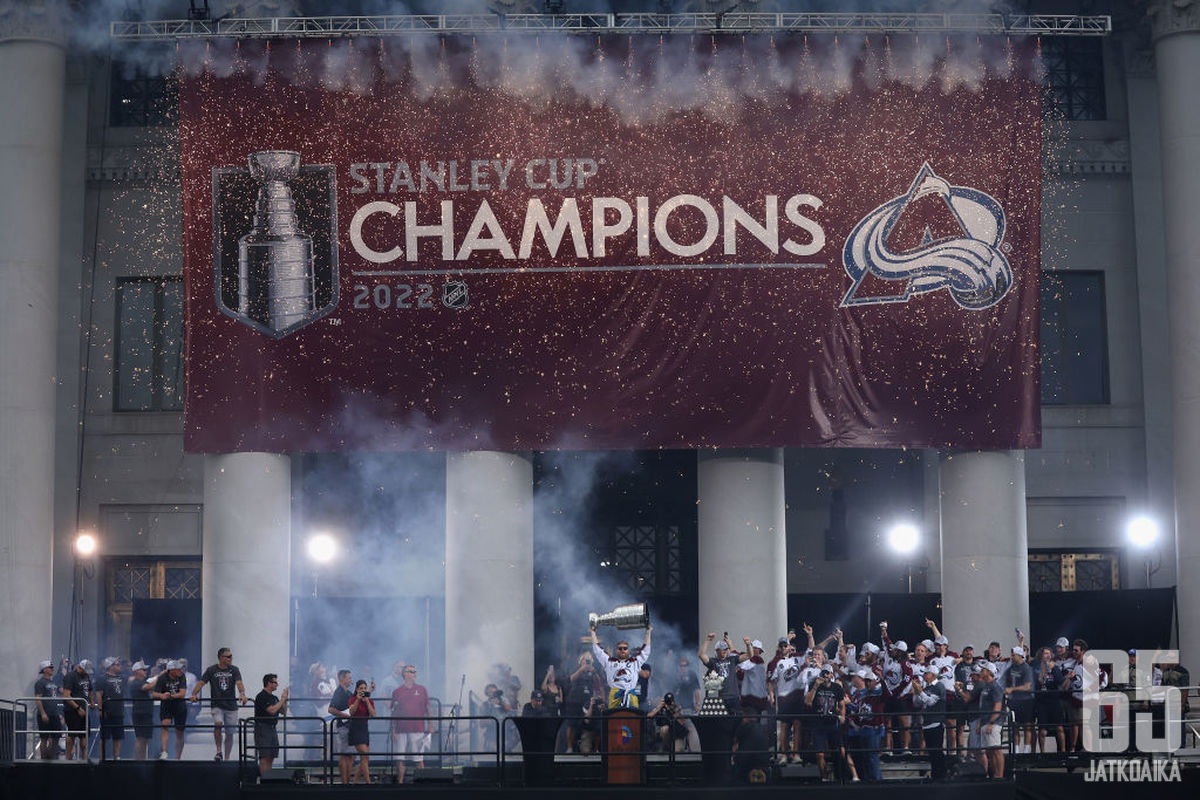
{"x": 9, "y": 723}
{"x": 26, "y": 735}
{"x": 442, "y": 749}
{"x": 491, "y": 743}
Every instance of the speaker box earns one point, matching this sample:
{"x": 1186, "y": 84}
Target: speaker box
{"x": 283, "y": 775}
{"x": 435, "y": 775}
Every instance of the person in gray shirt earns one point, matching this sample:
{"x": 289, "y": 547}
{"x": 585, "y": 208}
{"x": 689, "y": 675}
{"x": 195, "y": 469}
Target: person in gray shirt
{"x": 988, "y": 702}
{"x": 1018, "y": 688}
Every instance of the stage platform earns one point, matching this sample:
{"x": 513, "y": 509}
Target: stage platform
{"x": 171, "y": 780}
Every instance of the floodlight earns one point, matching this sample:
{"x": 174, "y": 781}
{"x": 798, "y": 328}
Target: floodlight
{"x": 904, "y": 537}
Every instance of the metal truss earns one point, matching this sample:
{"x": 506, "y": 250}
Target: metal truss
{"x": 599, "y": 24}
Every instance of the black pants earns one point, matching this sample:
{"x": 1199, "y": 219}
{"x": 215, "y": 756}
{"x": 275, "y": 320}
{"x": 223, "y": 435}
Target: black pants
{"x": 934, "y": 738}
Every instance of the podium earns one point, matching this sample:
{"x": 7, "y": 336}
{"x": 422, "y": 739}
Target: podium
{"x": 621, "y": 742}
{"x": 538, "y": 735}
{"x": 716, "y": 742}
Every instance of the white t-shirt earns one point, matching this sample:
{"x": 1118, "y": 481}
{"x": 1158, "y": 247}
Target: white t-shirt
{"x": 754, "y": 677}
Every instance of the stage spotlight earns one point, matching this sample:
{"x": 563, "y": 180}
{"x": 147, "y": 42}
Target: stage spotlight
{"x": 1142, "y": 532}
{"x": 85, "y": 545}
{"x": 322, "y": 548}
{"x": 904, "y": 538}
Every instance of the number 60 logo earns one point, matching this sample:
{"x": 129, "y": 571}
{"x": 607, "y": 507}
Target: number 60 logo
{"x": 1087, "y": 680}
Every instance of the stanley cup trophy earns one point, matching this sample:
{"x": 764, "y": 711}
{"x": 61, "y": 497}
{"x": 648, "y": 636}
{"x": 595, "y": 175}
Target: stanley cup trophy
{"x": 275, "y": 259}
{"x": 634, "y": 615}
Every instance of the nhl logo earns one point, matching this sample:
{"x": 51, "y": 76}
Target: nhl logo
{"x": 454, "y": 294}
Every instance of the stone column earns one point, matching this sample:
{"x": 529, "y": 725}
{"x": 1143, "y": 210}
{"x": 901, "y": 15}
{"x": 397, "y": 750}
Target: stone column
{"x": 1146, "y": 177}
{"x": 489, "y": 568}
{"x": 1176, "y": 29}
{"x": 985, "y": 569}
{"x": 742, "y": 545}
{"x": 32, "y": 76}
{"x": 247, "y": 564}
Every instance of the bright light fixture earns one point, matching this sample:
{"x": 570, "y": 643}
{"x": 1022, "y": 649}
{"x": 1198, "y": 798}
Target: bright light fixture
{"x": 85, "y": 544}
{"x": 322, "y": 548}
{"x": 904, "y": 538}
{"x": 1142, "y": 532}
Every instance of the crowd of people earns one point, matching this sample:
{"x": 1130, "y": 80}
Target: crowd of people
{"x": 838, "y": 705}
{"x": 74, "y": 698}
{"x": 829, "y": 702}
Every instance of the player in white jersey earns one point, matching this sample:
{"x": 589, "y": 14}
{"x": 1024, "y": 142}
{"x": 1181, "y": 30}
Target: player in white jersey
{"x": 788, "y": 679}
{"x": 621, "y": 669}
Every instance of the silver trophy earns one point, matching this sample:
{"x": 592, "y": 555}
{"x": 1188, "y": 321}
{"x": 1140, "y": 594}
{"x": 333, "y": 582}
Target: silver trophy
{"x": 275, "y": 259}
{"x": 634, "y": 615}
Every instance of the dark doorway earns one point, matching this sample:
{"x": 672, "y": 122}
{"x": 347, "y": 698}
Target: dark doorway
{"x": 166, "y": 628}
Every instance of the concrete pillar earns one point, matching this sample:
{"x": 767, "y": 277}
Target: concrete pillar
{"x": 985, "y": 569}
{"x": 742, "y": 545}
{"x": 1146, "y": 178}
{"x": 247, "y": 564}
{"x": 489, "y": 568}
{"x": 33, "y": 66}
{"x": 1176, "y": 29}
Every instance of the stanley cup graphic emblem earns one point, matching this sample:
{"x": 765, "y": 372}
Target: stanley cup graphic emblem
{"x": 281, "y": 274}
{"x": 275, "y": 259}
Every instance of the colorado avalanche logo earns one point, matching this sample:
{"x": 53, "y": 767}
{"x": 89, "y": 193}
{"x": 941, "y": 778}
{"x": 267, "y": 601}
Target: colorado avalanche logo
{"x": 971, "y": 267}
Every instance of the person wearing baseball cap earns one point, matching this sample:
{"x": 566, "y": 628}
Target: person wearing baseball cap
{"x": 754, "y": 678}
{"x": 141, "y": 708}
{"x": 930, "y": 697}
{"x": 50, "y": 719}
{"x": 787, "y": 678}
{"x": 897, "y": 678}
{"x": 1018, "y": 688}
{"x": 108, "y": 694}
{"x": 170, "y": 689}
{"x": 865, "y": 712}
{"x": 724, "y": 663}
{"x": 77, "y": 686}
{"x": 826, "y": 699}
{"x": 987, "y": 700}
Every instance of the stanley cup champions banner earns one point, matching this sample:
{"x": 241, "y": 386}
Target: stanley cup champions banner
{"x": 519, "y": 243}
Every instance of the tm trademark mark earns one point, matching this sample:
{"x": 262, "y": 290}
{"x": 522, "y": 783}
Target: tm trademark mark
{"x": 335, "y": 320}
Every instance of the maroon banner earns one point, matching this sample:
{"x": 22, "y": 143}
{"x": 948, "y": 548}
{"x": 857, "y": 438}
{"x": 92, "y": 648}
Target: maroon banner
{"x": 618, "y": 243}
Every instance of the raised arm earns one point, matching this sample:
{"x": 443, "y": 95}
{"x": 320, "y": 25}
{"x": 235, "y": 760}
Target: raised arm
{"x": 598, "y": 651}
{"x": 703, "y": 652}
{"x": 933, "y": 628}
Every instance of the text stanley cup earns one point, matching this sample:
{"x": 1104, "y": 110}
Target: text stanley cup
{"x": 275, "y": 259}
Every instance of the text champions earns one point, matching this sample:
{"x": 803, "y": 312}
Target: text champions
{"x": 683, "y": 226}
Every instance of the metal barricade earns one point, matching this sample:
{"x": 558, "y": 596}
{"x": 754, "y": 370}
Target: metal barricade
{"x": 383, "y": 759}
{"x": 9, "y": 725}
{"x": 27, "y": 739}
